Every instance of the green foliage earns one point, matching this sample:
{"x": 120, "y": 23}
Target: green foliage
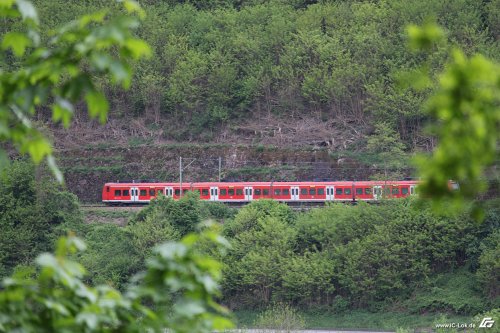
{"x": 220, "y": 61}
{"x": 467, "y": 119}
{"x": 183, "y": 214}
{"x": 110, "y": 259}
{"x": 489, "y": 265}
{"x": 248, "y": 217}
{"x": 31, "y": 214}
{"x": 217, "y": 210}
{"x": 388, "y": 150}
{"x": 309, "y": 279}
{"x": 367, "y": 256}
{"x": 455, "y": 292}
{"x": 282, "y": 317}
{"x": 493, "y": 313}
{"x": 56, "y": 299}
{"x": 261, "y": 244}
{"x": 60, "y": 71}
{"x": 156, "y": 228}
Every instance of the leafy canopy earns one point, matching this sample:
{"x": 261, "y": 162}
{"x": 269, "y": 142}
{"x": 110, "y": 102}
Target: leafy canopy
{"x": 61, "y": 70}
{"x": 178, "y": 287}
{"x": 466, "y": 113}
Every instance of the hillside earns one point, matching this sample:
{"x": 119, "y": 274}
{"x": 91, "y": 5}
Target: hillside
{"x": 285, "y": 73}
{"x": 316, "y": 81}
{"x": 245, "y": 90}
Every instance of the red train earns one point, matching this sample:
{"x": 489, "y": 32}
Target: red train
{"x": 117, "y": 193}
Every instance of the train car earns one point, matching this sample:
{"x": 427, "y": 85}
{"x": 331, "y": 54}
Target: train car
{"x": 242, "y": 192}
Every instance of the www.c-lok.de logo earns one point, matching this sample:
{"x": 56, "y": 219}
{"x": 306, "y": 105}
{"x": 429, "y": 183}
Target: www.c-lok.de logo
{"x": 487, "y": 322}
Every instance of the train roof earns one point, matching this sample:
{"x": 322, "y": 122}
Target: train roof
{"x": 287, "y": 183}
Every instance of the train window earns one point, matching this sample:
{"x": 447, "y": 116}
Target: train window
{"x": 412, "y": 190}
{"x": 286, "y": 191}
{"x": 223, "y": 191}
{"x": 404, "y": 191}
{"x": 321, "y": 191}
{"x": 303, "y": 191}
{"x": 347, "y": 191}
{"x": 204, "y": 192}
{"x": 359, "y": 191}
{"x": 387, "y": 191}
{"x": 159, "y": 192}
{"x": 395, "y": 190}
{"x": 143, "y": 193}
{"x": 125, "y": 193}
{"x": 239, "y": 191}
{"x": 118, "y": 193}
{"x": 258, "y": 191}
{"x": 368, "y": 190}
{"x": 152, "y": 192}
{"x": 177, "y": 192}
{"x": 338, "y": 191}
{"x": 231, "y": 191}
{"x": 312, "y": 191}
{"x": 266, "y": 192}
{"x": 277, "y": 191}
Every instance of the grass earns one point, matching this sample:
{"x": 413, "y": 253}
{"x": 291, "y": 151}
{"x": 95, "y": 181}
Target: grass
{"x": 120, "y": 217}
{"x": 110, "y": 214}
{"x": 358, "y": 319}
{"x": 86, "y": 169}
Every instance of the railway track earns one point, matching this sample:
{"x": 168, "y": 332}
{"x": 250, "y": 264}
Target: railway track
{"x": 111, "y": 208}
{"x": 296, "y": 207}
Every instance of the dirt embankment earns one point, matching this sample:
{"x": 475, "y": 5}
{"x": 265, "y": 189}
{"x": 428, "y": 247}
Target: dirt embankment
{"x": 87, "y": 169}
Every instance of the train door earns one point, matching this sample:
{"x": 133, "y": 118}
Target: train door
{"x": 412, "y": 189}
{"x": 248, "y": 193}
{"x": 295, "y": 192}
{"x": 214, "y": 194}
{"x": 169, "y": 192}
{"x": 134, "y": 194}
{"x": 330, "y": 193}
{"x": 377, "y": 192}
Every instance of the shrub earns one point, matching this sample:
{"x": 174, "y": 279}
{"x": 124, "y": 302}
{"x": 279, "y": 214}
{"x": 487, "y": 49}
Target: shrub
{"x": 282, "y": 317}
{"x": 31, "y": 214}
{"x": 184, "y": 214}
{"x": 111, "y": 259}
{"x": 489, "y": 265}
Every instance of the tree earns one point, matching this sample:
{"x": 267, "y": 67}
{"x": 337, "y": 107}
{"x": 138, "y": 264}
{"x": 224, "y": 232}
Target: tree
{"x": 178, "y": 286}
{"x": 31, "y": 213}
{"x": 62, "y": 71}
{"x": 387, "y": 150}
{"x": 466, "y": 113}
{"x": 180, "y": 282}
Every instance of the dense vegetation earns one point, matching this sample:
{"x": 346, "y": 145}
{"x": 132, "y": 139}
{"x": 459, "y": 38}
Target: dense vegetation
{"x": 396, "y": 256}
{"x": 215, "y": 62}
{"x": 174, "y": 290}
{"x": 220, "y": 61}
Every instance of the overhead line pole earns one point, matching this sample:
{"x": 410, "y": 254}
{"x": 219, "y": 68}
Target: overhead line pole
{"x": 181, "y": 168}
{"x": 180, "y": 176}
{"x": 220, "y": 164}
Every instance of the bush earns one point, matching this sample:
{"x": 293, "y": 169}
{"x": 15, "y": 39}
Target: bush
{"x": 340, "y": 304}
{"x": 32, "y": 214}
{"x": 111, "y": 259}
{"x": 217, "y": 210}
{"x": 282, "y": 317}
{"x": 154, "y": 229}
{"x": 454, "y": 292}
{"x": 184, "y": 214}
{"x": 248, "y": 217}
{"x": 489, "y": 265}
{"x": 178, "y": 278}
{"x": 256, "y": 263}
